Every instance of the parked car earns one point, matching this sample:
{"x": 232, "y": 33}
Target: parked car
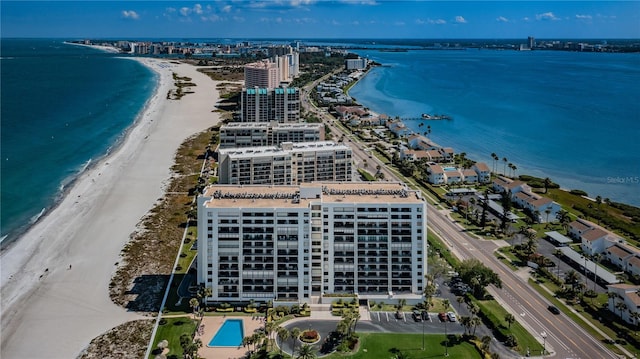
{"x": 399, "y": 315}
{"x": 451, "y": 316}
{"x": 425, "y": 315}
{"x": 553, "y": 309}
{"x": 442, "y": 316}
{"x": 417, "y": 316}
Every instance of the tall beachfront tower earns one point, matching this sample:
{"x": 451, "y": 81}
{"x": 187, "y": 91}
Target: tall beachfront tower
{"x": 280, "y": 104}
{"x": 293, "y": 243}
{"x": 531, "y": 42}
{"x": 262, "y": 74}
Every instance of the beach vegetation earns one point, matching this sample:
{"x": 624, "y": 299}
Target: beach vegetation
{"x": 129, "y": 339}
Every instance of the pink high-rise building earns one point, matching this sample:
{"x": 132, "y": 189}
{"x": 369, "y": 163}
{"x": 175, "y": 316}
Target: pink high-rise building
{"x": 261, "y": 74}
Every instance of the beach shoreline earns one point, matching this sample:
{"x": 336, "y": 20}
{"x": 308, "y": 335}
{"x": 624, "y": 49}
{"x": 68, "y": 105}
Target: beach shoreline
{"x": 57, "y": 274}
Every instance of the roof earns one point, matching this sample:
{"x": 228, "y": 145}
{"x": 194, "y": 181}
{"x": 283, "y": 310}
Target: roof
{"x": 502, "y": 181}
{"x": 481, "y": 166}
{"x": 577, "y": 258}
{"x": 469, "y": 173}
{"x": 514, "y": 184}
{"x": 435, "y": 169}
{"x": 619, "y": 251}
{"x": 579, "y": 225}
{"x": 541, "y": 201}
{"x": 558, "y": 237}
{"x": 635, "y": 261}
{"x": 629, "y": 291}
{"x": 594, "y": 234}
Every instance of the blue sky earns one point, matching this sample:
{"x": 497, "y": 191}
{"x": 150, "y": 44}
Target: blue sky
{"x": 299, "y": 19}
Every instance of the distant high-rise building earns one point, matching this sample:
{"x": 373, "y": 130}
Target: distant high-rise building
{"x": 531, "y": 42}
{"x": 262, "y": 74}
{"x": 355, "y": 64}
{"x": 292, "y": 243}
{"x": 281, "y": 104}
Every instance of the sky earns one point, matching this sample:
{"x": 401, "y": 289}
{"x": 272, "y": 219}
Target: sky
{"x": 304, "y": 19}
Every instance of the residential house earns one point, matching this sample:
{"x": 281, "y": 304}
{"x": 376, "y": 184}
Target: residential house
{"x": 483, "y": 171}
{"x": 436, "y": 174}
{"x": 621, "y": 255}
{"x": 594, "y": 241}
{"x": 579, "y": 227}
{"x": 626, "y": 301}
{"x": 447, "y": 153}
{"x": 544, "y": 208}
{"x": 435, "y": 156}
{"x": 413, "y": 155}
{"x": 633, "y": 265}
{"x": 453, "y": 176}
{"x": 398, "y": 128}
{"x": 470, "y": 176}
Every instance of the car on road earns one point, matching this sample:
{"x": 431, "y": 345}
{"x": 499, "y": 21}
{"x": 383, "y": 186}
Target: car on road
{"x": 442, "y": 316}
{"x": 553, "y": 309}
{"x": 451, "y": 316}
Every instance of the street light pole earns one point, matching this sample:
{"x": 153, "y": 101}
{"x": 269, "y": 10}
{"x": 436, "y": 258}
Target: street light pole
{"x": 544, "y": 342}
{"x": 446, "y": 339}
{"x": 422, "y": 317}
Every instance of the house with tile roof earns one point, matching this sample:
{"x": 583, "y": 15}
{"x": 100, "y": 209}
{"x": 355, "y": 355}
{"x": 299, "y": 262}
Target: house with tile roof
{"x": 626, "y": 301}
{"x": 436, "y": 174}
{"x": 483, "y": 171}
{"x": 578, "y": 227}
{"x": 633, "y": 265}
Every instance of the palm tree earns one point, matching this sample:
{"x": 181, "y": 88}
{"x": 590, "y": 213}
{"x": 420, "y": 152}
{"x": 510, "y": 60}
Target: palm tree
{"x": 475, "y": 321}
{"x": 510, "y": 165}
{"x": 401, "y": 303}
{"x": 446, "y": 304}
{"x": 547, "y": 183}
{"x": 514, "y": 168}
{"x": 505, "y": 160}
{"x": 473, "y": 309}
{"x": 466, "y": 323}
{"x": 510, "y": 319}
{"x": 295, "y": 333}
{"x": 495, "y": 356}
{"x": 563, "y": 217}
{"x": 494, "y": 157}
{"x": 460, "y": 300}
{"x": 283, "y": 334}
{"x": 635, "y": 316}
{"x": 306, "y": 352}
{"x": 621, "y": 306}
{"x": 572, "y": 278}
{"x": 194, "y": 303}
{"x": 611, "y": 295}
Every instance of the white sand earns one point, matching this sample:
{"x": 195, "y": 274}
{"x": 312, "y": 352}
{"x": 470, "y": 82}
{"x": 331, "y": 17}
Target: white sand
{"x": 55, "y": 314}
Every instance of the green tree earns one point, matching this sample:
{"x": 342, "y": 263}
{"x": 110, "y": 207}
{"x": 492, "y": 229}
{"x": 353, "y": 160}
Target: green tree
{"x": 306, "y": 351}
{"x": 486, "y": 342}
{"x": 563, "y": 218}
{"x": 478, "y": 276}
{"x": 295, "y": 333}
{"x": 194, "y": 304}
{"x": 475, "y": 321}
{"x": 547, "y": 182}
{"x": 510, "y": 319}
{"x": 465, "y": 321}
{"x": 283, "y": 334}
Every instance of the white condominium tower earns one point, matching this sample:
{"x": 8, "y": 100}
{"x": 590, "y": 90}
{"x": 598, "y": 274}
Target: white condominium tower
{"x": 281, "y": 104}
{"x": 296, "y": 242}
{"x": 255, "y": 134}
{"x": 289, "y": 164}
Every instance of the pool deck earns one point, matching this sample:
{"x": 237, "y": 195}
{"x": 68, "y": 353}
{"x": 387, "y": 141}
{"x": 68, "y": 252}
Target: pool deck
{"x": 211, "y": 326}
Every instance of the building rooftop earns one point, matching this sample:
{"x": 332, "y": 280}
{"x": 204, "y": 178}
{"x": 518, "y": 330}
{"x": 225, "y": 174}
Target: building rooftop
{"x": 619, "y": 251}
{"x": 595, "y": 233}
{"x": 481, "y": 166}
{"x": 577, "y": 258}
{"x": 558, "y": 237}
{"x": 579, "y": 225}
{"x": 275, "y": 150}
{"x": 225, "y": 196}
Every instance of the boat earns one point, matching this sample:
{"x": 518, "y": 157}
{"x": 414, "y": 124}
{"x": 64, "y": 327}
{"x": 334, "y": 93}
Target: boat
{"x": 428, "y": 116}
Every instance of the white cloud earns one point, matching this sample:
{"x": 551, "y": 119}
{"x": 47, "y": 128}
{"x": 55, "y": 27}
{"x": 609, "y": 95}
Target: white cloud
{"x": 502, "y": 19}
{"x": 460, "y": 20}
{"x": 583, "y": 17}
{"x": 239, "y": 19}
{"x": 185, "y": 11}
{"x": 197, "y": 8}
{"x": 526, "y": 19}
{"x": 546, "y": 16}
{"x": 437, "y": 21}
{"x": 130, "y": 14}
{"x": 296, "y": 3}
{"x": 210, "y": 18}
{"x": 226, "y": 8}
{"x": 360, "y": 2}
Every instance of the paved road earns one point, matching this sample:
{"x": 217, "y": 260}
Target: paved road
{"x": 567, "y": 339}
{"x": 564, "y": 337}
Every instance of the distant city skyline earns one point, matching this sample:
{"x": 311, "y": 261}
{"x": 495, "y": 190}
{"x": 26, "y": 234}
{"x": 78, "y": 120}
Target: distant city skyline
{"x": 300, "y": 19}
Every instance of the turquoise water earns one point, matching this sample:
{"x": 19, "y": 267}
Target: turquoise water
{"x": 230, "y": 334}
{"x": 573, "y": 117}
{"x": 62, "y": 108}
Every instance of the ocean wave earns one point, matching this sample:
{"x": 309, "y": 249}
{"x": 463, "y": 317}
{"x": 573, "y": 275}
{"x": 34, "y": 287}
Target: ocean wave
{"x": 35, "y": 218}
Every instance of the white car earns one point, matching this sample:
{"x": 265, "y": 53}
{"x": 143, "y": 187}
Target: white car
{"x": 451, "y": 316}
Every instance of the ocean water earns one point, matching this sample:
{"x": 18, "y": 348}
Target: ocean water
{"x": 570, "y": 116}
{"x": 62, "y": 108}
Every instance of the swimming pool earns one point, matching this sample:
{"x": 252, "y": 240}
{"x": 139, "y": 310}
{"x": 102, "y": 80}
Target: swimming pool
{"x": 446, "y": 169}
{"x": 230, "y": 334}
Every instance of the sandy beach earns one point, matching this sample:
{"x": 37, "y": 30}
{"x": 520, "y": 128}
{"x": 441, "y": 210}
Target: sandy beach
{"x": 50, "y": 310}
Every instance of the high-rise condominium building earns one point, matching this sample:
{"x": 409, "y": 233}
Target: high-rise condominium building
{"x": 261, "y": 74}
{"x": 280, "y": 104}
{"x": 289, "y": 164}
{"x": 255, "y": 134}
{"x": 294, "y": 242}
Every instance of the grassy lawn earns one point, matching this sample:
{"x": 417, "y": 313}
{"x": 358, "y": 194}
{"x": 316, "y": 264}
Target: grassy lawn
{"x": 385, "y": 346}
{"x": 525, "y": 339}
{"x": 171, "y": 331}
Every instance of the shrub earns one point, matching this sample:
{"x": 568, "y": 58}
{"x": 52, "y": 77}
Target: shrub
{"x": 309, "y": 336}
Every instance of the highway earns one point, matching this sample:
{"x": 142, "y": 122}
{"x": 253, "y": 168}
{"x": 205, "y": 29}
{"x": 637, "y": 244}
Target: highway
{"x": 564, "y": 338}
